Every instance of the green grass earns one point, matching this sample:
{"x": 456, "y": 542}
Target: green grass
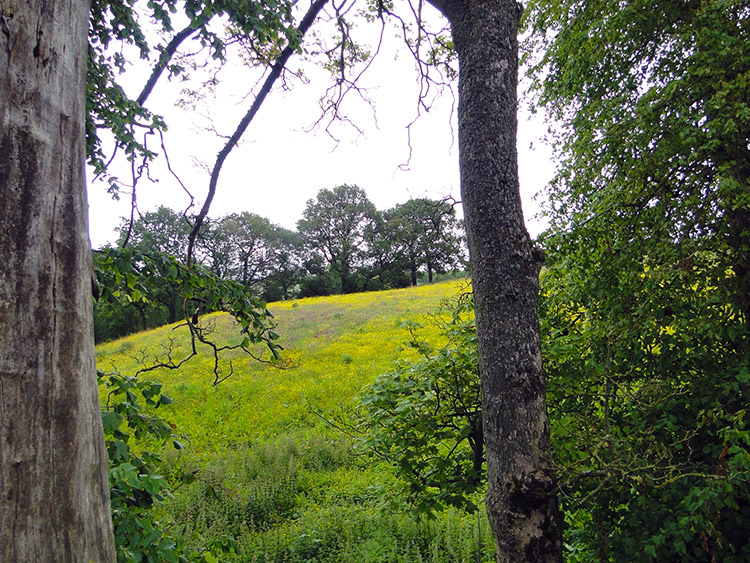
{"x": 262, "y": 474}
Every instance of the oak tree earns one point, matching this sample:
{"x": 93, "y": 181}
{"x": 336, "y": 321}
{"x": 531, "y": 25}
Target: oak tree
{"x": 333, "y": 226}
{"x": 427, "y": 234}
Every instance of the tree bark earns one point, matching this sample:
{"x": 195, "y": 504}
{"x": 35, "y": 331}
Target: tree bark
{"x": 737, "y": 211}
{"x": 521, "y": 500}
{"x": 54, "y": 500}
{"x": 413, "y": 267}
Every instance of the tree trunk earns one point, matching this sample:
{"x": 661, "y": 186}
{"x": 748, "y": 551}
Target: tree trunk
{"x": 171, "y": 308}
{"x": 737, "y": 211}
{"x": 140, "y": 306}
{"x": 521, "y": 502}
{"x": 413, "y": 267}
{"x": 54, "y": 504}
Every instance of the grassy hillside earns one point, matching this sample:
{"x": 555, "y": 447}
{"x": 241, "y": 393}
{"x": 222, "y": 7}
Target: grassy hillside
{"x": 263, "y": 477}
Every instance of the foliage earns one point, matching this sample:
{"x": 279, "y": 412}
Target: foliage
{"x": 648, "y": 421}
{"x": 262, "y": 257}
{"x": 430, "y": 234}
{"x": 134, "y": 482}
{"x": 318, "y": 282}
{"x": 251, "y": 250}
{"x": 302, "y": 498}
{"x": 389, "y": 266}
{"x": 137, "y": 488}
{"x": 115, "y": 319}
{"x": 333, "y": 226}
{"x": 161, "y": 232}
{"x": 262, "y": 474}
{"x": 646, "y": 292}
{"x": 370, "y": 535}
{"x": 654, "y": 97}
{"x": 424, "y": 417}
{"x": 282, "y": 280}
{"x": 420, "y": 234}
{"x": 648, "y": 388}
{"x": 131, "y": 276}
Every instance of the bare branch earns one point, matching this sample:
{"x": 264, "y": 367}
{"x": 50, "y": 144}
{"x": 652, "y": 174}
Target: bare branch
{"x": 334, "y": 96}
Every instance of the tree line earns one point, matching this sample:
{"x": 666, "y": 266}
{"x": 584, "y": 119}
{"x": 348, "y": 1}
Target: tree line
{"x": 342, "y": 244}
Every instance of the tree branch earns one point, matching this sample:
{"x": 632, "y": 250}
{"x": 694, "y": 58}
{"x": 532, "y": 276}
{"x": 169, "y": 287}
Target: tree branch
{"x": 276, "y": 69}
{"x": 164, "y": 58}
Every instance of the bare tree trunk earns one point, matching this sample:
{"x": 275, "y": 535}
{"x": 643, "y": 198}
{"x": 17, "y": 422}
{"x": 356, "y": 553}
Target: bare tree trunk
{"x": 521, "y": 502}
{"x": 54, "y": 504}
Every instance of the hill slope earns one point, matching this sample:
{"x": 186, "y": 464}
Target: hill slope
{"x": 338, "y": 344}
{"x": 267, "y": 476}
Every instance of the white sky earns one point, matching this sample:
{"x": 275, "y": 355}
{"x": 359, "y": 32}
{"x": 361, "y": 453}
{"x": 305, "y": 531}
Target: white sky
{"x": 280, "y": 165}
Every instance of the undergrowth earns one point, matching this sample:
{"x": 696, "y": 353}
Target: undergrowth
{"x": 263, "y": 477}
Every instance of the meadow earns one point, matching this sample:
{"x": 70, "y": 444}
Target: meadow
{"x": 264, "y": 475}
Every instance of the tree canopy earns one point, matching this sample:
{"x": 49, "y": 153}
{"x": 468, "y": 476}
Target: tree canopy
{"x": 333, "y": 226}
{"x": 653, "y": 98}
{"x": 645, "y": 295}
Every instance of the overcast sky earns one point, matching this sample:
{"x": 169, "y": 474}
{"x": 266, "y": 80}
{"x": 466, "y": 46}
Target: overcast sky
{"x": 280, "y": 163}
